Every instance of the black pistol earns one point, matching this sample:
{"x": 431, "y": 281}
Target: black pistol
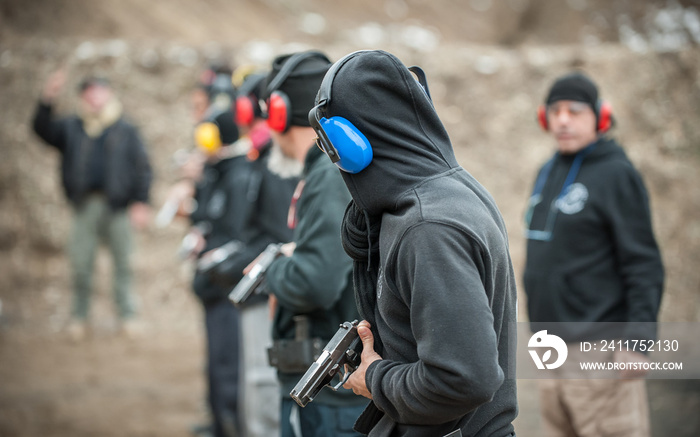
{"x": 341, "y": 357}
{"x": 251, "y": 283}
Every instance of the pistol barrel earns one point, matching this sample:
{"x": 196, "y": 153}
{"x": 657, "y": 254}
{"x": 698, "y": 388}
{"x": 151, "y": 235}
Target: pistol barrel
{"x": 248, "y": 285}
{"x": 337, "y": 354}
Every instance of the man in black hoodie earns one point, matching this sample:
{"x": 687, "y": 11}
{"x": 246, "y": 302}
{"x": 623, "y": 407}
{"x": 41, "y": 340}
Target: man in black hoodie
{"x": 432, "y": 273}
{"x": 311, "y": 286}
{"x": 242, "y": 207}
{"x": 591, "y": 257}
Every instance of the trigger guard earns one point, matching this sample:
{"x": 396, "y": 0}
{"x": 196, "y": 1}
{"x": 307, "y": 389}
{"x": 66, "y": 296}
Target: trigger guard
{"x": 346, "y": 376}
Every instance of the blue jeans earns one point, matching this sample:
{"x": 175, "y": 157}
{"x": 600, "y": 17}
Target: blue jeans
{"x": 317, "y": 420}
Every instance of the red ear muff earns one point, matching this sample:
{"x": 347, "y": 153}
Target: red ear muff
{"x": 605, "y": 119}
{"x": 279, "y": 112}
{"x": 542, "y": 117}
{"x": 244, "y": 111}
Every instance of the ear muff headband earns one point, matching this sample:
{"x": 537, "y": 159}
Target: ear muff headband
{"x": 603, "y": 112}
{"x": 422, "y": 80}
{"x": 289, "y": 66}
{"x": 279, "y": 110}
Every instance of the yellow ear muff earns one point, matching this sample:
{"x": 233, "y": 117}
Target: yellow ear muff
{"x": 207, "y": 137}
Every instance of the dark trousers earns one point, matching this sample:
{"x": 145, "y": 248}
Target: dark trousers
{"x": 317, "y": 420}
{"x": 223, "y": 363}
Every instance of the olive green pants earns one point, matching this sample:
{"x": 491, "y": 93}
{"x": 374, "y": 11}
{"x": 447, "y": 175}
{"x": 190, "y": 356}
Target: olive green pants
{"x": 94, "y": 223}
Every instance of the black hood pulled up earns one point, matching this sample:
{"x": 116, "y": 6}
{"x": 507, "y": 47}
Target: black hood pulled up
{"x": 380, "y": 96}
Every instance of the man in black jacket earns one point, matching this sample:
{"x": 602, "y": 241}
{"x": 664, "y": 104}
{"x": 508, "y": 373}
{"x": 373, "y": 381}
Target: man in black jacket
{"x": 241, "y": 208}
{"x": 106, "y": 177}
{"x": 217, "y": 224}
{"x": 272, "y": 183}
{"x": 311, "y": 286}
{"x": 433, "y": 276}
{"x": 591, "y": 257}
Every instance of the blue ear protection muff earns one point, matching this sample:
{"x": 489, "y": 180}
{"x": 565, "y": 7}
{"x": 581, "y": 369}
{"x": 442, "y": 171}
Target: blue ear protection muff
{"x": 344, "y": 143}
{"x": 279, "y": 110}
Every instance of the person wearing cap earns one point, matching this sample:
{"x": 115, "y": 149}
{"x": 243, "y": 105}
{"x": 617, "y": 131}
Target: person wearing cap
{"x": 310, "y": 288}
{"x": 591, "y": 257}
{"x": 249, "y": 114}
{"x": 106, "y": 177}
{"x": 211, "y": 103}
{"x": 433, "y": 277}
{"x": 272, "y": 183}
{"x": 218, "y": 219}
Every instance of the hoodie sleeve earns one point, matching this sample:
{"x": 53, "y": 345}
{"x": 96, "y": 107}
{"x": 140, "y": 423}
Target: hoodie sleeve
{"x": 317, "y": 272}
{"x": 637, "y": 253}
{"x": 49, "y": 129}
{"x": 438, "y": 275}
{"x": 265, "y": 225}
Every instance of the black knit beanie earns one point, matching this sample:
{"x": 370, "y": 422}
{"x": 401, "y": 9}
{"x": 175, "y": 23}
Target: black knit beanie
{"x": 228, "y": 130}
{"x": 575, "y": 86}
{"x": 301, "y": 85}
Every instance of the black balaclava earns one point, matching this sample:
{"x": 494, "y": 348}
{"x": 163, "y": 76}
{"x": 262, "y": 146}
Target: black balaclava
{"x": 378, "y": 94}
{"x": 300, "y": 86}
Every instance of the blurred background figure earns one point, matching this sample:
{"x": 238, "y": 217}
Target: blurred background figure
{"x": 106, "y": 177}
{"x": 217, "y": 221}
{"x": 179, "y": 201}
{"x": 270, "y": 195}
{"x": 311, "y": 289}
{"x": 241, "y": 206}
{"x": 591, "y": 257}
{"x": 211, "y": 98}
{"x": 249, "y": 119}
